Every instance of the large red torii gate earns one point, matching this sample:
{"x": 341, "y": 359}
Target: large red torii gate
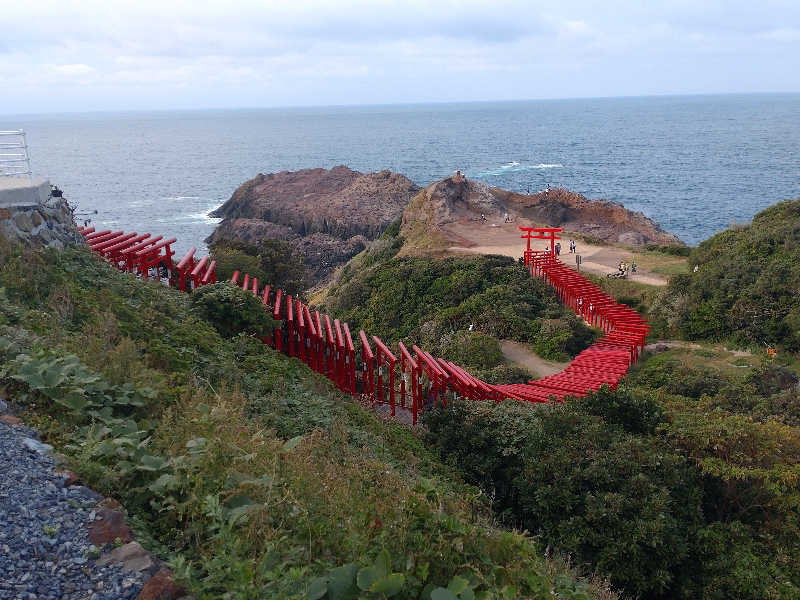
{"x": 540, "y": 233}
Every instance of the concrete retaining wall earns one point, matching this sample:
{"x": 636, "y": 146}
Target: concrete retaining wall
{"x": 28, "y": 216}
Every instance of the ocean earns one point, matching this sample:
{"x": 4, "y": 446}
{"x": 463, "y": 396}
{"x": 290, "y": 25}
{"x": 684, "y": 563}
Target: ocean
{"x": 695, "y": 164}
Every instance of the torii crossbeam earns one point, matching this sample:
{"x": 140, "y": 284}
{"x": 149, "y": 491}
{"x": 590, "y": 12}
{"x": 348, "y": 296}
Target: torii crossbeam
{"x": 540, "y": 233}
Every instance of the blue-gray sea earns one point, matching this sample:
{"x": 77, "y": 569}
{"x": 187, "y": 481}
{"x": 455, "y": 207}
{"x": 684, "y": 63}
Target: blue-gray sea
{"x": 695, "y": 164}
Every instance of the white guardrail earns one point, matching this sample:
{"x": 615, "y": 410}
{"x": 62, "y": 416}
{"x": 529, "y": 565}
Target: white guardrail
{"x": 14, "y": 158}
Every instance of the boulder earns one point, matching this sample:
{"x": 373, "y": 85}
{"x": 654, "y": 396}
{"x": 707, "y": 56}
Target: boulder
{"x": 131, "y": 556}
{"x": 161, "y": 586}
{"x": 109, "y": 527}
{"x": 458, "y": 198}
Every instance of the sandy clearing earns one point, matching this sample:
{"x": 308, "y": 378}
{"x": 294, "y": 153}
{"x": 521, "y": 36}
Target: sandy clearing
{"x": 504, "y": 239}
{"x": 521, "y": 354}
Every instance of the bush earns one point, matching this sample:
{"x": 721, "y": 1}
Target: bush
{"x": 671, "y": 375}
{"x": 627, "y": 504}
{"x": 671, "y": 250}
{"x": 636, "y": 412}
{"x": 273, "y": 262}
{"x": 744, "y": 286}
{"x": 232, "y": 310}
{"x": 425, "y": 300}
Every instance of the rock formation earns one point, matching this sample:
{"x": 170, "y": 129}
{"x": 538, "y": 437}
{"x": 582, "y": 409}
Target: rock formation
{"x": 457, "y": 198}
{"x": 327, "y": 215}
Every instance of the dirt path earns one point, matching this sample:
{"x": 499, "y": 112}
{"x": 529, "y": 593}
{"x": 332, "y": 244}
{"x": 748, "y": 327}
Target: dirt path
{"x": 521, "y": 354}
{"x": 504, "y": 239}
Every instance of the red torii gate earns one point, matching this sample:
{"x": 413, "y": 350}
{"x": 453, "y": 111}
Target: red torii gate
{"x": 540, "y": 233}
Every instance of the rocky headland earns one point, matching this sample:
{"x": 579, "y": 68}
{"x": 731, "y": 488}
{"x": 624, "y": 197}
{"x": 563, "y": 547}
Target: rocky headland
{"x": 457, "y": 198}
{"x": 327, "y": 215}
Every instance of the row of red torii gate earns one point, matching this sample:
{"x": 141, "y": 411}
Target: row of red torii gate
{"x": 405, "y": 380}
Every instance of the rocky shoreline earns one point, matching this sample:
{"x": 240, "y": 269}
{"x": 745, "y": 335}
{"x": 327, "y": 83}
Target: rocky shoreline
{"x": 329, "y": 216}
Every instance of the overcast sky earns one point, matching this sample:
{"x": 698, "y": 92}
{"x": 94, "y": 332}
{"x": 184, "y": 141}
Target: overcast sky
{"x": 62, "y": 55}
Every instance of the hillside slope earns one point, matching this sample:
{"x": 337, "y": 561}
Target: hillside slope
{"x": 251, "y": 474}
{"x": 742, "y": 283}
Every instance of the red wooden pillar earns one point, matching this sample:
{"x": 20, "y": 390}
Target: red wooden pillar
{"x": 341, "y": 369}
{"x": 368, "y": 358}
{"x": 350, "y": 360}
{"x": 301, "y": 330}
{"x": 320, "y": 341}
{"x": 385, "y": 355}
{"x": 195, "y": 275}
{"x": 330, "y": 351}
{"x": 269, "y": 339}
{"x": 290, "y": 323}
{"x": 276, "y": 315}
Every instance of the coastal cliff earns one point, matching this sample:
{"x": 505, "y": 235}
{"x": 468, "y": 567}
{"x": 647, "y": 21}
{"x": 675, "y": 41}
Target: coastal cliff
{"x": 326, "y": 215}
{"x": 329, "y": 215}
{"x": 457, "y": 198}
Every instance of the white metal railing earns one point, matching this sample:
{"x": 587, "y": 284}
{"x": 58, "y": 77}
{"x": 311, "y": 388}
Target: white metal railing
{"x": 14, "y": 158}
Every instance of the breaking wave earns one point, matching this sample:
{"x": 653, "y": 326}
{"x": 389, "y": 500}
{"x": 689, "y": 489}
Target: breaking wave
{"x": 514, "y": 167}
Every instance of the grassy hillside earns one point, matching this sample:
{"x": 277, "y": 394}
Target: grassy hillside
{"x": 742, "y": 284}
{"x": 433, "y": 302}
{"x": 250, "y": 473}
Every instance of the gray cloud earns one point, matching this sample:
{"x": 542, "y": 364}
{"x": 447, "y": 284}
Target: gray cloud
{"x": 147, "y": 54}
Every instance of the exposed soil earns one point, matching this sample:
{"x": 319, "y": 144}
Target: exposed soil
{"x": 521, "y": 354}
{"x": 497, "y": 237}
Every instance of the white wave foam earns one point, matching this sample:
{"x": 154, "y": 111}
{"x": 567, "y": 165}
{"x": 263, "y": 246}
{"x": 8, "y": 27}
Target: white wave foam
{"x": 515, "y": 167}
{"x": 201, "y": 216}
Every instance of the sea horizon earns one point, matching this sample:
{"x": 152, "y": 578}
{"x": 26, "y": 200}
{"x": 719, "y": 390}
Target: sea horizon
{"x": 444, "y": 103}
{"x": 693, "y": 163}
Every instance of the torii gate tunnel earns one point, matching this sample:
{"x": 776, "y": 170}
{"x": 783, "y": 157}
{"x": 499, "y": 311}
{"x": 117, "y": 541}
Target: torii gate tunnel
{"x": 540, "y": 233}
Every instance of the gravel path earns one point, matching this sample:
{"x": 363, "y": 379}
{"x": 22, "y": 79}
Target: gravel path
{"x": 45, "y": 550}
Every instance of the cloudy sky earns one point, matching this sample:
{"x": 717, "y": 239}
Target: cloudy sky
{"x": 77, "y": 55}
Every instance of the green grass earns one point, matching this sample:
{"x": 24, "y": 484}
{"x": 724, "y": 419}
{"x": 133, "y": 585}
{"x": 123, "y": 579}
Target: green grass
{"x": 251, "y": 474}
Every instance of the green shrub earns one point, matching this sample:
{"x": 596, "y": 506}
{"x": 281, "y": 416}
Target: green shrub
{"x": 232, "y": 310}
{"x": 742, "y": 284}
{"x": 273, "y": 262}
{"x": 671, "y": 250}
{"x": 635, "y": 411}
{"x": 671, "y": 375}
{"x": 627, "y": 504}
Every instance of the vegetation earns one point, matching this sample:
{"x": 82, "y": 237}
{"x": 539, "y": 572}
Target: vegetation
{"x": 457, "y": 308}
{"x": 742, "y": 284}
{"x": 251, "y": 474}
{"x": 271, "y": 261}
{"x": 670, "y": 498}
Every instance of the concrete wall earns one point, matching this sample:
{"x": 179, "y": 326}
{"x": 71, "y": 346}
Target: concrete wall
{"x": 26, "y": 214}
{"x": 22, "y": 191}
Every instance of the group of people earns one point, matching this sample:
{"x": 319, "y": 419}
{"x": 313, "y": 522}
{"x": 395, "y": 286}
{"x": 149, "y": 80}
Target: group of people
{"x": 623, "y": 267}
{"x": 557, "y": 248}
{"x": 506, "y": 218}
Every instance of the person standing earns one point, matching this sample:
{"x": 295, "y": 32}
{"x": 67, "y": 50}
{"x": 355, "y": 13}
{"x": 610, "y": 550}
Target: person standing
{"x": 558, "y": 248}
